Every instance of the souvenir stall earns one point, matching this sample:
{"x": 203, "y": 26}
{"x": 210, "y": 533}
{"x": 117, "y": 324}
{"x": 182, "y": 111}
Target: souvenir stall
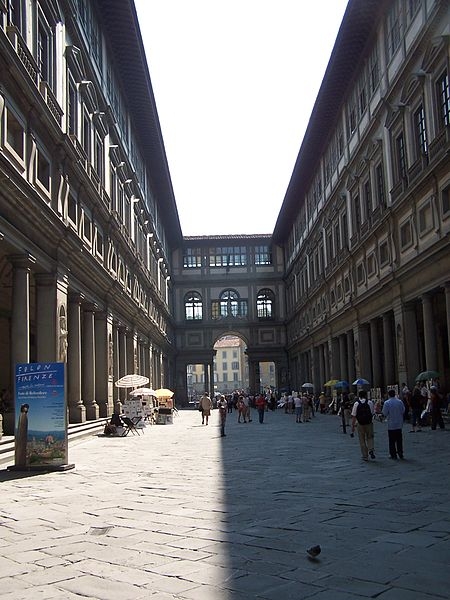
{"x": 143, "y": 402}
{"x": 165, "y": 406}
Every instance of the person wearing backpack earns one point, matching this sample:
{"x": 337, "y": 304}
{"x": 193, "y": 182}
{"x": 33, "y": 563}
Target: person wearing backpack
{"x": 362, "y": 415}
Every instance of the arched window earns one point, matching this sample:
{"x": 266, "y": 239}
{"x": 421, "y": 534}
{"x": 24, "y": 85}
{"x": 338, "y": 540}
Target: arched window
{"x": 265, "y": 304}
{"x": 193, "y": 306}
{"x": 229, "y": 305}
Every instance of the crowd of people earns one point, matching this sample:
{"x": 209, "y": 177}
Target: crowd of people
{"x": 422, "y": 406}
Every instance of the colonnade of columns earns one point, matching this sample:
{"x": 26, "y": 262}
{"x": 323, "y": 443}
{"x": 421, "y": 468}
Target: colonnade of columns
{"x": 390, "y": 348}
{"x": 97, "y": 348}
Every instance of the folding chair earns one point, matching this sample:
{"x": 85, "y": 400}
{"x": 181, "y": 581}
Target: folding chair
{"x": 130, "y": 426}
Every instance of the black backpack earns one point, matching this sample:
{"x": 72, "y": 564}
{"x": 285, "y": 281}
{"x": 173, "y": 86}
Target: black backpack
{"x": 363, "y": 413}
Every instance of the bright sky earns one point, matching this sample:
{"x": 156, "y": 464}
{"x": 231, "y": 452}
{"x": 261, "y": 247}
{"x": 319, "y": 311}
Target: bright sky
{"x": 235, "y": 82}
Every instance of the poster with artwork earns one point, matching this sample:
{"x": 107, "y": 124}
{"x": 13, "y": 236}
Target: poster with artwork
{"x": 41, "y": 422}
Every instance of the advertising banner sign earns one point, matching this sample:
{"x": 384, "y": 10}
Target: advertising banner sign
{"x": 41, "y": 416}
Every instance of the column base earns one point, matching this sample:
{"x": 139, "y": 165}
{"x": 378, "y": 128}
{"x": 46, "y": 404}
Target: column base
{"x": 92, "y": 412}
{"x": 77, "y": 414}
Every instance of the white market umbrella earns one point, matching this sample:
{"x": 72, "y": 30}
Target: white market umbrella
{"x": 307, "y": 385}
{"x": 132, "y": 381}
{"x": 143, "y": 392}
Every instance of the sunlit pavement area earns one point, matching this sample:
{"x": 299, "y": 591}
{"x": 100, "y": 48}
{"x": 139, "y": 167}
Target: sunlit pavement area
{"x": 179, "y": 512}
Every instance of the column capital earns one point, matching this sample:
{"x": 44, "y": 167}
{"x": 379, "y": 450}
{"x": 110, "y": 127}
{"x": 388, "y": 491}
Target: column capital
{"x": 76, "y": 298}
{"x": 22, "y": 261}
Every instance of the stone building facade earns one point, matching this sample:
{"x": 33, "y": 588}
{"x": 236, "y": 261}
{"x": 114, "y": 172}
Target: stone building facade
{"x": 366, "y": 219}
{"x": 229, "y": 285}
{"x": 87, "y": 213}
{"x": 95, "y": 272}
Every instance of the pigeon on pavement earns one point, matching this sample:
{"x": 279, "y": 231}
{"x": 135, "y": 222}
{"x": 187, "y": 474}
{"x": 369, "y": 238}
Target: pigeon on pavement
{"x": 314, "y": 551}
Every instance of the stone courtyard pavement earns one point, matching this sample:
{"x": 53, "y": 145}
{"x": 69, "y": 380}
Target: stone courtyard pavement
{"x": 181, "y": 513}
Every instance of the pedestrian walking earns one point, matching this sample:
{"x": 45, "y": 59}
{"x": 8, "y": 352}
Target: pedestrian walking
{"x": 298, "y": 407}
{"x": 435, "y": 403}
{"x": 260, "y": 404}
{"x": 205, "y": 404}
{"x": 223, "y": 409}
{"x": 416, "y": 405}
{"x": 394, "y": 411}
{"x": 362, "y": 416}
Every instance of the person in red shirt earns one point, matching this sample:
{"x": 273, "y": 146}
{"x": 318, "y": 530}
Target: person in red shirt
{"x": 261, "y": 407}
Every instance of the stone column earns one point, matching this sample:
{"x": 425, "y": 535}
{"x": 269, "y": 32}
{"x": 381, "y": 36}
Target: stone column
{"x": 316, "y": 373}
{"x": 351, "y": 366}
{"x": 77, "y": 411}
{"x": 88, "y": 363}
{"x": 364, "y": 353}
{"x": 408, "y": 345}
{"x": 447, "y": 307}
{"x": 388, "y": 346}
{"x": 104, "y": 358}
{"x": 20, "y": 320}
{"x": 322, "y": 373}
{"x": 122, "y": 360}
{"x": 343, "y": 362}
{"x": 335, "y": 359}
{"x": 375, "y": 348}
{"x": 47, "y": 319}
{"x": 116, "y": 367}
{"x": 151, "y": 366}
{"x": 20, "y": 324}
{"x": 429, "y": 332}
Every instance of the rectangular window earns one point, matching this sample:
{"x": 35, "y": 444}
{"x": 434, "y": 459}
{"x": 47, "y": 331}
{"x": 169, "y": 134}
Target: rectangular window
{"x": 225, "y": 377}
{"x": 384, "y": 253}
{"x": 367, "y": 199}
{"x": 405, "y": 235}
{"x": 86, "y": 133}
{"x": 87, "y": 228}
{"x": 192, "y": 258}
{"x": 443, "y": 98}
{"x": 393, "y": 27}
{"x": 224, "y": 366}
{"x": 412, "y": 7}
{"x": 72, "y": 212}
{"x": 235, "y": 376}
{"x": 98, "y": 157}
{"x": 337, "y": 236}
{"x": 380, "y": 185}
{"x": 43, "y": 171}
{"x": 15, "y": 135}
{"x": 400, "y": 154}
{"x": 360, "y": 274}
{"x": 445, "y": 200}
{"x": 263, "y": 255}
{"x": 17, "y": 15}
{"x": 72, "y": 107}
{"x": 421, "y": 132}
{"x": 425, "y": 218}
{"x": 374, "y": 69}
{"x": 356, "y": 212}
{"x": 344, "y": 229}
{"x": 232, "y": 256}
{"x": 371, "y": 264}
{"x": 235, "y": 366}
{"x": 44, "y": 50}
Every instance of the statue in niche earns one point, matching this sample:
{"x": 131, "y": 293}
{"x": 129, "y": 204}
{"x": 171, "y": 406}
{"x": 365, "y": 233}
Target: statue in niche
{"x": 62, "y": 335}
{"x": 400, "y": 347}
{"x": 110, "y": 355}
{"x": 357, "y": 364}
